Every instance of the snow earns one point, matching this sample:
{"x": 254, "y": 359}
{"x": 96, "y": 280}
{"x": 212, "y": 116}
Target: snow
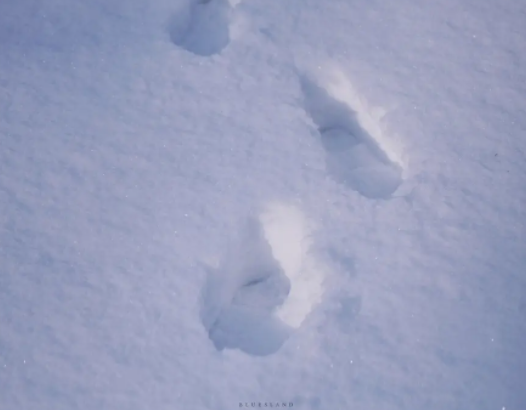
{"x": 210, "y": 204}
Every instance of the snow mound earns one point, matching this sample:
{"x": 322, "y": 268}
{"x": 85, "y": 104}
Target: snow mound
{"x": 289, "y": 235}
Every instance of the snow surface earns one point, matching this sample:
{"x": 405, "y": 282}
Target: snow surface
{"x": 210, "y": 204}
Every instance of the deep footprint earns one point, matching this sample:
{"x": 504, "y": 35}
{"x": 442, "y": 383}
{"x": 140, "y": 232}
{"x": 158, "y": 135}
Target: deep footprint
{"x": 241, "y": 294}
{"x": 203, "y": 27}
{"x": 353, "y": 156}
{"x": 266, "y": 286}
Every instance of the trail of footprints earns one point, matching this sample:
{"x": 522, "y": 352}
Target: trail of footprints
{"x": 268, "y": 281}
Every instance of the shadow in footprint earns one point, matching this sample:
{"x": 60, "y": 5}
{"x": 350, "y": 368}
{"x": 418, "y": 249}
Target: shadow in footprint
{"x": 353, "y": 157}
{"x": 241, "y": 294}
{"x": 203, "y": 27}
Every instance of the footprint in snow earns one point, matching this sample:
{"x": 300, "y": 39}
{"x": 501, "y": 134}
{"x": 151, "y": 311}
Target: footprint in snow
{"x": 354, "y": 155}
{"x": 203, "y": 27}
{"x": 264, "y": 287}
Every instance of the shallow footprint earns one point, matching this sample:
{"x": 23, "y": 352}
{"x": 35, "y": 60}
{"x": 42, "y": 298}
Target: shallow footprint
{"x": 203, "y": 27}
{"x": 353, "y": 156}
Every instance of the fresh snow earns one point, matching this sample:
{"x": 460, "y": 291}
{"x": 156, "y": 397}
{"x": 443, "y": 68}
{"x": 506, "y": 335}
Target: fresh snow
{"x": 212, "y": 204}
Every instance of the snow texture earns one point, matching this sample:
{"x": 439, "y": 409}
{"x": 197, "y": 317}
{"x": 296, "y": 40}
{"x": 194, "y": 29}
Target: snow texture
{"x": 213, "y": 204}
